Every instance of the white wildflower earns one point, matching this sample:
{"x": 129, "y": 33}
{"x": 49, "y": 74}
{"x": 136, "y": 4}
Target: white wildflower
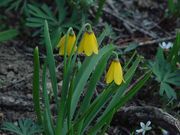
{"x": 144, "y": 128}
{"x": 165, "y": 45}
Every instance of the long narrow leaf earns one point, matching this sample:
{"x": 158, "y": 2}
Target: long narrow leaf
{"x": 81, "y": 79}
{"x": 93, "y": 82}
{"x": 128, "y": 77}
{"x": 50, "y": 60}
{"x": 8, "y": 34}
{"x": 36, "y": 97}
{"x": 47, "y": 114}
{"x": 121, "y": 102}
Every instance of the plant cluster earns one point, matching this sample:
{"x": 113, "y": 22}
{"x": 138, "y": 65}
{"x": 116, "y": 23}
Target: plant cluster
{"x": 88, "y": 114}
{"x": 60, "y": 14}
{"x": 78, "y": 108}
{"x": 166, "y": 69}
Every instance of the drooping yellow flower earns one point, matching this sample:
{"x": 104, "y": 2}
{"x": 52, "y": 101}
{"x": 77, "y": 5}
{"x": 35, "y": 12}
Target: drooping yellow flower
{"x": 88, "y": 43}
{"x": 115, "y": 73}
{"x": 70, "y": 42}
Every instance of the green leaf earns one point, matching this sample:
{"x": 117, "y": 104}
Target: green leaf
{"x": 61, "y": 10}
{"x": 171, "y": 6}
{"x": 8, "y": 34}
{"x": 33, "y": 25}
{"x": 50, "y": 60}
{"x": 165, "y": 74}
{"x": 128, "y": 77}
{"x": 100, "y": 102}
{"x": 87, "y": 67}
{"x": 47, "y": 10}
{"x": 173, "y": 78}
{"x": 164, "y": 87}
{"x": 36, "y": 90}
{"x": 106, "y": 32}
{"x": 55, "y": 36}
{"x": 95, "y": 107}
{"x": 93, "y": 82}
{"x": 41, "y": 13}
{"x": 122, "y": 100}
{"x": 23, "y": 127}
{"x": 35, "y": 20}
{"x": 102, "y": 123}
{"x": 101, "y": 3}
{"x": 174, "y": 53}
{"x": 131, "y": 47}
{"x": 68, "y": 71}
{"x": 48, "y": 123}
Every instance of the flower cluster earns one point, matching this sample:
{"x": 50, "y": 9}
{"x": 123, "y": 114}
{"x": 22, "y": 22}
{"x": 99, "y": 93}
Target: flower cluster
{"x": 88, "y": 45}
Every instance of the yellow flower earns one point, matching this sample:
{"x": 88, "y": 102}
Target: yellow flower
{"x": 115, "y": 73}
{"x": 70, "y": 42}
{"x": 88, "y": 43}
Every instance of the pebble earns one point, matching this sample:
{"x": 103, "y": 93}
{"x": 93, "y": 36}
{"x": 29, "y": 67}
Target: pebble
{"x": 10, "y": 74}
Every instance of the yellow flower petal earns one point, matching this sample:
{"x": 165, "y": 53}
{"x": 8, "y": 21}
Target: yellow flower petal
{"x": 95, "y": 44}
{"x": 88, "y": 50}
{"x": 61, "y": 45}
{"x": 117, "y": 73}
{"x": 61, "y": 42}
{"x": 110, "y": 74}
{"x": 70, "y": 42}
{"x": 81, "y": 45}
{"x": 88, "y": 44}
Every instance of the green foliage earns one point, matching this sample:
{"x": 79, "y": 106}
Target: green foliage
{"x": 174, "y": 54}
{"x": 174, "y": 7}
{"x": 60, "y": 14}
{"x": 131, "y": 46}
{"x": 107, "y": 32}
{"x": 59, "y": 21}
{"x": 14, "y": 5}
{"x": 23, "y": 127}
{"x": 166, "y": 75}
{"x": 166, "y": 70}
{"x": 81, "y": 4}
{"x": 63, "y": 19}
{"x": 8, "y": 34}
{"x": 100, "y": 9}
{"x": 76, "y": 115}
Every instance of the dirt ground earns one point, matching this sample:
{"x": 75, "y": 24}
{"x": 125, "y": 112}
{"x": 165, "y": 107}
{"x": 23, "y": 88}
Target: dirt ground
{"x": 16, "y": 82}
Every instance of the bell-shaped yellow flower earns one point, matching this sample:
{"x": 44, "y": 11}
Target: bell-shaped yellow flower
{"x": 69, "y": 45}
{"x": 115, "y": 73}
{"x": 88, "y": 43}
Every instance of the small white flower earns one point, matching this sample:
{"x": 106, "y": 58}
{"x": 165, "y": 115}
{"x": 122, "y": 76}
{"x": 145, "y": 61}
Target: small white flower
{"x": 165, "y": 45}
{"x": 144, "y": 128}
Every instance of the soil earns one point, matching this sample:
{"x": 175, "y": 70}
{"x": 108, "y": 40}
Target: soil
{"x": 16, "y": 82}
{"x": 132, "y": 20}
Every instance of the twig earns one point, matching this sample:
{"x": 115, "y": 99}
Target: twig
{"x": 116, "y": 14}
{"x": 150, "y": 42}
{"x": 158, "y": 117}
